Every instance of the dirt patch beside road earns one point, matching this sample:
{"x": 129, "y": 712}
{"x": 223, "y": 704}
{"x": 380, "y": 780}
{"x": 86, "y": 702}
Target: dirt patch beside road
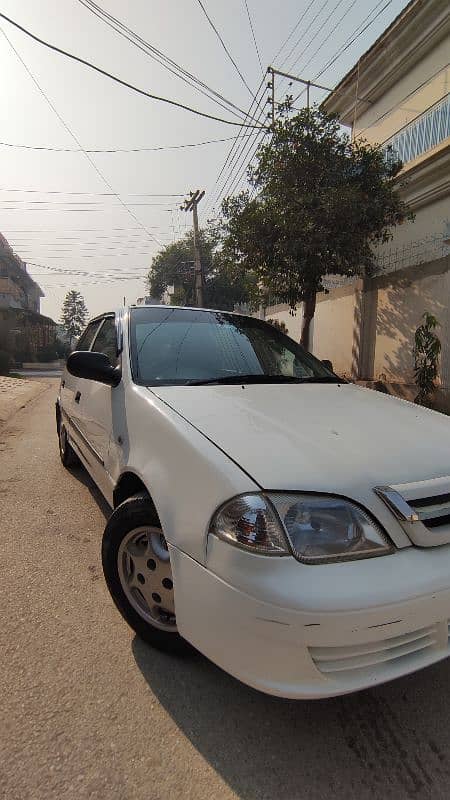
{"x": 16, "y": 393}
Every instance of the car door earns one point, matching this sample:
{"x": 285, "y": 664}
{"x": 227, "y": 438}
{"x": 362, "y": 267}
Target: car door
{"x": 72, "y": 387}
{"x": 96, "y": 407}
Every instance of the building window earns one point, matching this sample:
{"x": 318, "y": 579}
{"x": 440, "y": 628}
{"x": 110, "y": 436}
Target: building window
{"x": 423, "y": 133}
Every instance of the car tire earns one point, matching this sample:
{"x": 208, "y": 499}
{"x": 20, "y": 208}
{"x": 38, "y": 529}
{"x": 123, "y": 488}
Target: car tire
{"x": 67, "y": 454}
{"x": 136, "y": 566}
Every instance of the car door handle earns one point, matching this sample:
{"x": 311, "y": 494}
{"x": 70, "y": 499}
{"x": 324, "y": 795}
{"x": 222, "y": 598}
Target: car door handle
{"x": 77, "y": 397}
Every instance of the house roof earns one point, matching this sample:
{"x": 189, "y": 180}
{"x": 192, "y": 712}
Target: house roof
{"x": 416, "y": 30}
{"x": 16, "y": 268}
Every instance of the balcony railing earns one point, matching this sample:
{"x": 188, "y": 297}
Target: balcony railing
{"x": 423, "y": 133}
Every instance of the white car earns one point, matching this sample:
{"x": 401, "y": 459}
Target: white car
{"x": 291, "y": 526}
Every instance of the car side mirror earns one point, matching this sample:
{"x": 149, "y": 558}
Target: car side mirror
{"x": 328, "y": 364}
{"x": 94, "y": 367}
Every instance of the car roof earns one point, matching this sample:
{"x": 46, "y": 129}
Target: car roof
{"x": 189, "y": 308}
{"x": 121, "y": 310}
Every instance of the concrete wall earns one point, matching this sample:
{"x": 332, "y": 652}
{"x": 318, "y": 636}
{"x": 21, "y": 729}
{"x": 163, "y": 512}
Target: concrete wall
{"x": 401, "y": 302}
{"x": 293, "y": 322}
{"x": 336, "y": 328}
{"x": 370, "y": 334}
{"x": 420, "y": 240}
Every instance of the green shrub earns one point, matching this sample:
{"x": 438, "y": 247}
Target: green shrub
{"x": 48, "y": 353}
{"x": 5, "y": 362}
{"x": 427, "y": 349}
{"x": 62, "y": 348}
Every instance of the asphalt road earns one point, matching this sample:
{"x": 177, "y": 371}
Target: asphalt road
{"x": 88, "y": 711}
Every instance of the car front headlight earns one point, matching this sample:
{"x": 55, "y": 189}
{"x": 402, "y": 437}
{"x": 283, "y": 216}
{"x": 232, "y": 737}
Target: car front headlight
{"x": 250, "y": 522}
{"x": 322, "y": 529}
{"x": 316, "y": 529}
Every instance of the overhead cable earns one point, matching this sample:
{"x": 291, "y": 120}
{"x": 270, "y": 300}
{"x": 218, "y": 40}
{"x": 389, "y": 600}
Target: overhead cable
{"x": 253, "y": 35}
{"x": 158, "y": 56}
{"x": 224, "y": 45}
{"x": 119, "y": 80}
{"x": 120, "y": 149}
{"x": 77, "y": 141}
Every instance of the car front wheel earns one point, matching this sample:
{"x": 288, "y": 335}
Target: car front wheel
{"x": 136, "y": 565}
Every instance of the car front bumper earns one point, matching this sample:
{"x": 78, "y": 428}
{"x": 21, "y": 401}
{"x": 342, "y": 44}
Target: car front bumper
{"x": 302, "y": 631}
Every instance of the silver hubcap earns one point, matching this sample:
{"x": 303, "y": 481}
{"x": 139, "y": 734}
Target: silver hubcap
{"x": 145, "y": 574}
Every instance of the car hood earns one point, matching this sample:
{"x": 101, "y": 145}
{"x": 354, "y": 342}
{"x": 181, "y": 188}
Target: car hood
{"x": 317, "y": 437}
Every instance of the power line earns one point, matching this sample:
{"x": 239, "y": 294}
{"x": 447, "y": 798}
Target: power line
{"x": 317, "y": 33}
{"x": 90, "y": 194}
{"x": 350, "y": 40}
{"x": 236, "y": 160}
{"x": 119, "y": 80}
{"x": 234, "y": 145}
{"x": 87, "y": 247}
{"x": 224, "y": 46}
{"x": 258, "y": 135}
{"x": 232, "y": 188}
{"x": 249, "y": 157}
{"x": 84, "y": 230}
{"x": 322, "y": 7}
{"x": 83, "y": 256}
{"x": 121, "y": 150}
{"x": 349, "y": 43}
{"x": 25, "y": 238}
{"x": 72, "y": 271}
{"x": 76, "y": 140}
{"x": 243, "y": 160}
{"x": 302, "y": 16}
{"x": 51, "y": 203}
{"x": 253, "y": 35}
{"x": 237, "y": 149}
{"x": 158, "y": 56}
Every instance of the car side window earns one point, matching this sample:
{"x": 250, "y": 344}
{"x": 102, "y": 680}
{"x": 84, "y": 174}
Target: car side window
{"x": 106, "y": 340}
{"x": 87, "y": 337}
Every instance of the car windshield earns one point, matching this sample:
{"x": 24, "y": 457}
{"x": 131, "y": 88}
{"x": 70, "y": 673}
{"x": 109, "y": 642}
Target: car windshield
{"x": 179, "y": 346}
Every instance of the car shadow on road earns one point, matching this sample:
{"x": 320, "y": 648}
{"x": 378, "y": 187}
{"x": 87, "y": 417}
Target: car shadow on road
{"x": 385, "y": 742}
{"x": 83, "y": 477}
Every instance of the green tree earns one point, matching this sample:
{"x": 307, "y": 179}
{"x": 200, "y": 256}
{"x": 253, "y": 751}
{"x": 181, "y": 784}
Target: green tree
{"x": 74, "y": 314}
{"x": 427, "y": 349}
{"x": 321, "y": 202}
{"x": 174, "y": 266}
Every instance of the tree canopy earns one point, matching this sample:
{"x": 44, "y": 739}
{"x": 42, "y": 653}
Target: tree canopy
{"x": 74, "y": 314}
{"x": 320, "y": 203}
{"x": 174, "y": 266}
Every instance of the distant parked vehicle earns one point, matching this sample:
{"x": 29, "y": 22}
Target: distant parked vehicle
{"x": 291, "y": 526}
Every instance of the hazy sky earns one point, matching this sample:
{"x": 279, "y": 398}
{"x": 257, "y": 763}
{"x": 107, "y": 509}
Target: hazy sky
{"x": 92, "y": 232}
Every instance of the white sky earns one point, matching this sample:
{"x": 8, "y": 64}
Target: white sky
{"x": 51, "y": 229}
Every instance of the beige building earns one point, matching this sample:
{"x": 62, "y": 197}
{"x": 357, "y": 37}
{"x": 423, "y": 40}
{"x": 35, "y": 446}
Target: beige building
{"x": 23, "y": 329}
{"x": 399, "y": 94}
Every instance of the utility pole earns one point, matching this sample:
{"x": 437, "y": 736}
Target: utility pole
{"x": 271, "y": 99}
{"x": 190, "y": 204}
{"x": 308, "y": 85}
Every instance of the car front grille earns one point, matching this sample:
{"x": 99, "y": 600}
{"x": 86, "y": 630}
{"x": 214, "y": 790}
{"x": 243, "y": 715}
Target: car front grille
{"x": 422, "y": 509}
{"x": 333, "y": 660}
{"x": 432, "y": 511}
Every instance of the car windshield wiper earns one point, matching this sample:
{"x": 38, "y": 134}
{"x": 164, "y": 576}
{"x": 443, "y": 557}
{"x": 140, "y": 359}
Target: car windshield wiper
{"x": 239, "y": 379}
